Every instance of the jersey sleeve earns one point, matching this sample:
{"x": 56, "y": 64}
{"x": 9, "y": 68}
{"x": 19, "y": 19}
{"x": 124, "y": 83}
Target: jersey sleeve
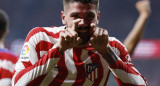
{"x": 123, "y": 70}
{"x": 38, "y": 57}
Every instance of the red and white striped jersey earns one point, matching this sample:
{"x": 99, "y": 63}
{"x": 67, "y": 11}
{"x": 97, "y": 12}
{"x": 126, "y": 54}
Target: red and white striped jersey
{"x": 7, "y": 64}
{"x": 41, "y": 64}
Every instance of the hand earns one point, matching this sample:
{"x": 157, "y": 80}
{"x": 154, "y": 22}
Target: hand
{"x": 99, "y": 38}
{"x": 69, "y": 37}
{"x": 143, "y": 7}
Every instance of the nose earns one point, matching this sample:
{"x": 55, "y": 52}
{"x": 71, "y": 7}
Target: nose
{"x": 83, "y": 23}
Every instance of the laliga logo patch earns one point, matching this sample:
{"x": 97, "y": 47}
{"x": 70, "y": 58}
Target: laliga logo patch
{"x": 25, "y": 50}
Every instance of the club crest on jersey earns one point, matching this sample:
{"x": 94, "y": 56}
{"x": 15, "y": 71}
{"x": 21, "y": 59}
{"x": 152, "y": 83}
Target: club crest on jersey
{"x": 92, "y": 71}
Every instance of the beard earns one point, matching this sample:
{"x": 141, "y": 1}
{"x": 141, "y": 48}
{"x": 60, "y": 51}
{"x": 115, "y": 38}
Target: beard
{"x": 84, "y": 34}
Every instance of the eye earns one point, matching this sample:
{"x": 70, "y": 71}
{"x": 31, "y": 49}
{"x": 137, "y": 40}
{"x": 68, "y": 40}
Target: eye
{"x": 75, "y": 16}
{"x": 90, "y": 16}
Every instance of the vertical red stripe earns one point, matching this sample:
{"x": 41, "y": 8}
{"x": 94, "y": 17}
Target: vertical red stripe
{"x": 62, "y": 73}
{"x": 81, "y": 74}
{"x": 96, "y": 59}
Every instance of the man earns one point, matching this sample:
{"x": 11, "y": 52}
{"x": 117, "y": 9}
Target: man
{"x": 133, "y": 38}
{"x": 7, "y": 59}
{"x": 77, "y": 54}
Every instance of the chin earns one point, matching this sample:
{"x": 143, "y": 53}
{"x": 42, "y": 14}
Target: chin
{"x": 84, "y": 41}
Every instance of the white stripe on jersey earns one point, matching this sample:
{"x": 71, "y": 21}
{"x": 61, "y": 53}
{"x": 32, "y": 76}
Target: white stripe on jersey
{"x": 37, "y": 71}
{"x": 55, "y": 29}
{"x": 105, "y": 69}
{"x": 41, "y": 36}
{"x": 49, "y": 77}
{"x": 116, "y": 51}
{"x": 42, "y": 53}
{"x": 5, "y": 82}
{"x": 128, "y": 77}
{"x": 72, "y": 70}
{"x": 114, "y": 39}
{"x": 8, "y": 65}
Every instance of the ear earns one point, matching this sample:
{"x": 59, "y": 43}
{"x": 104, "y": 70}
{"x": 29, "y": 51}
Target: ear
{"x": 98, "y": 17}
{"x": 63, "y": 17}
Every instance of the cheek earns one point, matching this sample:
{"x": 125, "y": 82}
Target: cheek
{"x": 95, "y": 21}
{"x": 69, "y": 22}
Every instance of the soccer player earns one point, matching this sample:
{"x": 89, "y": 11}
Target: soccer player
{"x": 7, "y": 59}
{"x": 77, "y": 54}
{"x": 133, "y": 38}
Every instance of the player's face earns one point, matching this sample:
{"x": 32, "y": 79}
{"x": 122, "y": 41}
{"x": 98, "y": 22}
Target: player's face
{"x": 86, "y": 12}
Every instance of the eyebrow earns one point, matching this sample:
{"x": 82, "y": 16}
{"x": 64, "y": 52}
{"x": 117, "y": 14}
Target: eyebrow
{"x": 77, "y": 13}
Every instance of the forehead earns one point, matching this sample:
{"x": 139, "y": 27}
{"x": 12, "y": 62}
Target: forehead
{"x": 80, "y": 7}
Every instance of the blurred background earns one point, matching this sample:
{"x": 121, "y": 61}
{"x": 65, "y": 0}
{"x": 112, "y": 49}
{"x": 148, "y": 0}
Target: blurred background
{"x": 117, "y": 16}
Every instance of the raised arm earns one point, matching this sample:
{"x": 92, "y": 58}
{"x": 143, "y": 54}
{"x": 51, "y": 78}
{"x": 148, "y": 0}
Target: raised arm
{"x": 143, "y": 7}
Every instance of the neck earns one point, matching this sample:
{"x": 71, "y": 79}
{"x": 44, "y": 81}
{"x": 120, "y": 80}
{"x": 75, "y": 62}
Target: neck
{"x": 1, "y": 44}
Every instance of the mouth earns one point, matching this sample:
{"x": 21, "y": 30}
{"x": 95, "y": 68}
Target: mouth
{"x": 83, "y": 31}
{"x": 85, "y": 36}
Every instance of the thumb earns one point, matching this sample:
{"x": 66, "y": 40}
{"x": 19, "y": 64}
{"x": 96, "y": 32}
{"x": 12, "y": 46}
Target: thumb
{"x": 79, "y": 40}
{"x": 92, "y": 29}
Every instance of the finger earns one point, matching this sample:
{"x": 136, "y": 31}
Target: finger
{"x": 62, "y": 37}
{"x": 105, "y": 36}
{"x": 66, "y": 35}
{"x": 73, "y": 33}
{"x": 69, "y": 36}
{"x": 92, "y": 29}
{"x": 92, "y": 41}
{"x": 79, "y": 40}
{"x": 75, "y": 24}
{"x": 100, "y": 35}
{"x": 105, "y": 33}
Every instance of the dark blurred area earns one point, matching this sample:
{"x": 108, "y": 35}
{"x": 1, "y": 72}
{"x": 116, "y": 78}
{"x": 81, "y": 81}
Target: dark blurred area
{"x": 117, "y": 16}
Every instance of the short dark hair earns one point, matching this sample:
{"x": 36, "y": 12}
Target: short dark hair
{"x": 95, "y": 2}
{"x": 3, "y": 23}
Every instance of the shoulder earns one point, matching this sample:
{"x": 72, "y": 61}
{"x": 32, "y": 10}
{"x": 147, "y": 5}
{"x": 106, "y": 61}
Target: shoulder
{"x": 47, "y": 29}
{"x": 118, "y": 47}
{"x": 40, "y": 31}
{"x": 115, "y": 42}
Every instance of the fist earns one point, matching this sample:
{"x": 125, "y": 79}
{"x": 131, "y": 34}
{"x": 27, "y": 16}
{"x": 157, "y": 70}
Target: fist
{"x": 99, "y": 38}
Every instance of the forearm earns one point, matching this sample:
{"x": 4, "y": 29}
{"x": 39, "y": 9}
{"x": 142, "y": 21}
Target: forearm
{"x": 40, "y": 68}
{"x": 136, "y": 34}
{"x": 109, "y": 55}
{"x": 124, "y": 72}
{"x": 127, "y": 75}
